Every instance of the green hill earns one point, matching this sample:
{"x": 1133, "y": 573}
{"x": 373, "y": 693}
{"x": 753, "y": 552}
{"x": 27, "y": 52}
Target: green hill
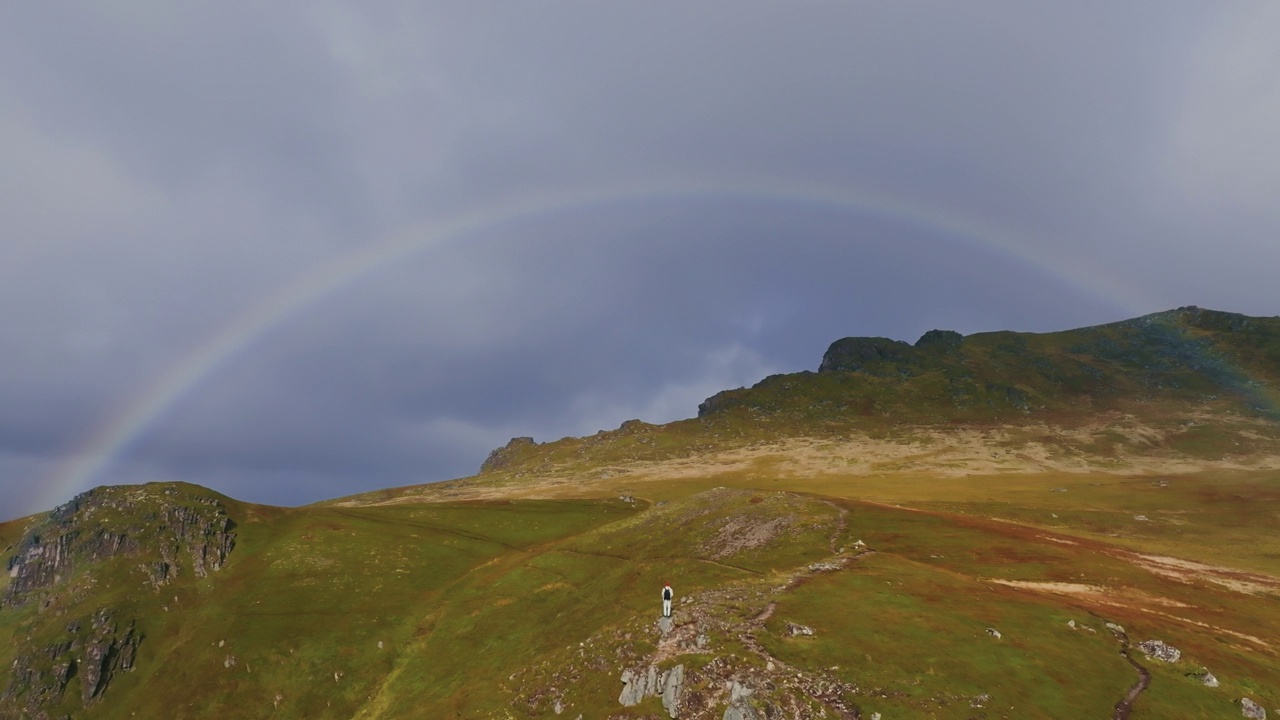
{"x": 991, "y": 526}
{"x": 1200, "y": 384}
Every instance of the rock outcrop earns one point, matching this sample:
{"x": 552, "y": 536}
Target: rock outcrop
{"x": 739, "y": 703}
{"x": 638, "y": 684}
{"x": 167, "y": 527}
{"x": 1252, "y": 710}
{"x": 1160, "y": 650}
{"x": 501, "y": 458}
{"x": 93, "y": 650}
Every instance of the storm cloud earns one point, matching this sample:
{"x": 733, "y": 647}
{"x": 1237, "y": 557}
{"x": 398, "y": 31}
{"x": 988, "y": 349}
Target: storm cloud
{"x": 295, "y": 251}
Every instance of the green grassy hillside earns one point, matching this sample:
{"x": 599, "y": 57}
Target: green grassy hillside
{"x": 974, "y": 559}
{"x": 1199, "y": 383}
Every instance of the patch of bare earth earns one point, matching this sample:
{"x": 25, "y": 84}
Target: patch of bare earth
{"x": 949, "y": 452}
{"x": 744, "y": 533}
{"x": 1188, "y": 571}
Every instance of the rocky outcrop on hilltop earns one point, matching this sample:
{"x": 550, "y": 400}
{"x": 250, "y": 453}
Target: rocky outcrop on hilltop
{"x": 1189, "y": 356}
{"x": 502, "y": 457}
{"x": 170, "y": 529}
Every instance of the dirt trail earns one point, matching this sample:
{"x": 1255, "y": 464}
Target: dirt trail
{"x": 1124, "y": 707}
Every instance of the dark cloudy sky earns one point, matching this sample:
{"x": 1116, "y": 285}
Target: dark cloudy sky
{"x": 299, "y": 250}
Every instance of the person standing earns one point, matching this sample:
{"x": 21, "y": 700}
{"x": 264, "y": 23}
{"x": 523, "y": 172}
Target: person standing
{"x": 667, "y": 595}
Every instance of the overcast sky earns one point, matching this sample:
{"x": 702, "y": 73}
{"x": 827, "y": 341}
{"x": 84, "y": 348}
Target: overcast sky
{"x": 298, "y": 250}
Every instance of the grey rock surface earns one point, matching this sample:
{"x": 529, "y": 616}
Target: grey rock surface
{"x": 794, "y": 629}
{"x": 1252, "y": 710}
{"x": 1160, "y": 650}
{"x": 672, "y": 686}
{"x": 1206, "y": 677}
{"x": 739, "y": 706}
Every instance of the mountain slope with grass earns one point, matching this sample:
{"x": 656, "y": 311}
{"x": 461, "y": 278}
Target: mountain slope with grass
{"x": 1003, "y": 525}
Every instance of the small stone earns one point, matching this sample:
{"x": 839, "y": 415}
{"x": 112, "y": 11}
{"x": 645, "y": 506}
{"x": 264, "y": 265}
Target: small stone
{"x": 1142, "y": 518}
{"x": 1252, "y": 710}
{"x": 1071, "y": 624}
{"x": 994, "y": 633}
{"x": 559, "y": 706}
{"x": 379, "y": 644}
{"x": 875, "y": 716}
{"x": 980, "y": 700}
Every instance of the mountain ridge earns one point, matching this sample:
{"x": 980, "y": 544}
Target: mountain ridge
{"x": 1163, "y": 368}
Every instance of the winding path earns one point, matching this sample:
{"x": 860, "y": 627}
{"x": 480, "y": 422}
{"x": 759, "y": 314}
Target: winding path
{"x": 1125, "y": 706}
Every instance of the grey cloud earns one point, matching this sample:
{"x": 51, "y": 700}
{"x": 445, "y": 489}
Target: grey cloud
{"x": 168, "y": 168}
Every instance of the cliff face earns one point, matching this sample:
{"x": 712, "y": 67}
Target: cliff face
{"x": 94, "y": 649}
{"x": 169, "y": 529}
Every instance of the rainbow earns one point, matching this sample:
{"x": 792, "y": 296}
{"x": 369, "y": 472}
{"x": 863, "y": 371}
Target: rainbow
{"x": 113, "y": 438}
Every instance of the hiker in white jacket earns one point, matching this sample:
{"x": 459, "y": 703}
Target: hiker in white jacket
{"x": 667, "y": 594}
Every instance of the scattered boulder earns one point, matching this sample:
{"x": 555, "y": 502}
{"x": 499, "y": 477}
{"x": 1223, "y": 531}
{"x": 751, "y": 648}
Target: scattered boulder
{"x": 794, "y": 629}
{"x": 1205, "y": 677}
{"x": 1160, "y": 650}
{"x": 1142, "y": 518}
{"x": 665, "y": 625}
{"x": 1252, "y": 710}
{"x": 980, "y": 700}
{"x": 994, "y": 633}
{"x": 1071, "y": 624}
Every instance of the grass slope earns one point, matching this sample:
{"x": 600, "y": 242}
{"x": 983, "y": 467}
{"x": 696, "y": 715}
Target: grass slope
{"x": 1076, "y": 492}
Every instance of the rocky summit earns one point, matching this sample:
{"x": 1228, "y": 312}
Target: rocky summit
{"x": 998, "y": 525}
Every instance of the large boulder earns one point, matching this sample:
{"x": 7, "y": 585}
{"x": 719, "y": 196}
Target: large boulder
{"x": 1252, "y": 710}
{"x": 1160, "y": 650}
